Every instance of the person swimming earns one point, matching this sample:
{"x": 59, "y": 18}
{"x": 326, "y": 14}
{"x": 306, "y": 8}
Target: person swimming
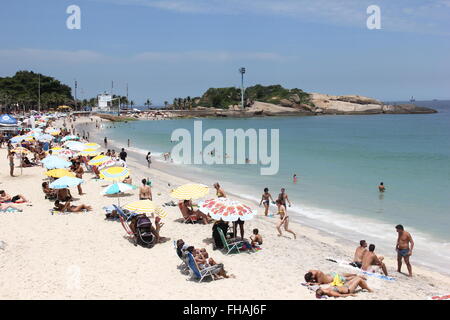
{"x": 381, "y": 187}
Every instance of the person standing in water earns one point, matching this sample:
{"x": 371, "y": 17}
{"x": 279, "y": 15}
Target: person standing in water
{"x": 266, "y": 197}
{"x": 284, "y": 219}
{"x": 283, "y": 197}
{"x": 106, "y": 142}
{"x": 381, "y": 187}
{"x": 404, "y": 251}
{"x": 128, "y": 143}
{"x": 295, "y": 178}
{"x": 149, "y": 159}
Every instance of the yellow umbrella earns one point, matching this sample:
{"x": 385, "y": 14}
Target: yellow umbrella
{"x": 190, "y": 191}
{"x": 92, "y": 145}
{"x": 59, "y": 173}
{"x": 20, "y": 150}
{"x": 145, "y": 206}
{"x": 89, "y": 152}
{"x": 114, "y": 173}
{"x": 29, "y": 138}
{"x": 56, "y": 149}
{"x": 55, "y": 133}
{"x": 98, "y": 160}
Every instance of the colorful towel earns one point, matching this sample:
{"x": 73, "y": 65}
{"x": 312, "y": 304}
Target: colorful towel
{"x": 444, "y": 297}
{"x": 346, "y": 264}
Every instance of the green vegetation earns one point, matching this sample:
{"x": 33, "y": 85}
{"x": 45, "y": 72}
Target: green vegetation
{"x": 224, "y": 97}
{"x": 22, "y": 90}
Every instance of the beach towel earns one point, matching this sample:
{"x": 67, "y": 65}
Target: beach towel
{"x": 10, "y": 210}
{"x": 347, "y": 265}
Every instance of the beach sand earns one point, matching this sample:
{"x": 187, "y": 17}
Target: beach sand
{"x": 84, "y": 256}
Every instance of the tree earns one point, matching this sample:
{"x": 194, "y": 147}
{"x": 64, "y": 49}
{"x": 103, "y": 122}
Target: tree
{"x": 165, "y": 104}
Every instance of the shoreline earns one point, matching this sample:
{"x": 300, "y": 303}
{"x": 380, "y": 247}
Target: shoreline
{"x": 83, "y": 256}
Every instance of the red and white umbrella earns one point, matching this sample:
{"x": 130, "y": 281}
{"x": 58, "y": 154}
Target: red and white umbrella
{"x": 226, "y": 209}
{"x": 112, "y": 163}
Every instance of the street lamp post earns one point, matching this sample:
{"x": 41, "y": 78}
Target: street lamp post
{"x": 242, "y": 71}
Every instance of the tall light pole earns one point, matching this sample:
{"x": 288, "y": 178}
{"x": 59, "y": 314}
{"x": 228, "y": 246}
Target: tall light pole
{"x": 242, "y": 71}
{"x": 76, "y": 85}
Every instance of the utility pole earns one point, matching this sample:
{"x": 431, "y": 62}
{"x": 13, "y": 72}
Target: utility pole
{"x": 39, "y": 93}
{"x": 242, "y": 71}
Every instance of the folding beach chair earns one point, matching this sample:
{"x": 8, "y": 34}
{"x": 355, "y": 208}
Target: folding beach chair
{"x": 233, "y": 247}
{"x": 200, "y": 274}
{"x": 190, "y": 219}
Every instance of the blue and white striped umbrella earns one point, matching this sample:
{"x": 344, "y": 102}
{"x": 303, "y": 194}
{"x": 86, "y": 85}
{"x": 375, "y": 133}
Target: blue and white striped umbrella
{"x": 65, "y": 182}
{"x": 71, "y": 137}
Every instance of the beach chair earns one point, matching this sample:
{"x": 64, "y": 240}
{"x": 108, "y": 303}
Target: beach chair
{"x": 183, "y": 266}
{"x": 200, "y": 274}
{"x": 130, "y": 234}
{"x": 233, "y": 247}
{"x": 189, "y": 219}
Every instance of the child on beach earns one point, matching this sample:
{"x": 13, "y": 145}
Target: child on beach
{"x": 256, "y": 238}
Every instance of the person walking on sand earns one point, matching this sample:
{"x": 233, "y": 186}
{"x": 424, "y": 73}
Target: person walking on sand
{"x": 284, "y": 219}
{"x": 404, "y": 251}
{"x": 283, "y": 197}
{"x": 381, "y": 187}
{"x": 265, "y": 198}
{"x": 79, "y": 174}
{"x": 11, "y": 163}
{"x": 145, "y": 191}
{"x": 149, "y": 159}
{"x": 123, "y": 155}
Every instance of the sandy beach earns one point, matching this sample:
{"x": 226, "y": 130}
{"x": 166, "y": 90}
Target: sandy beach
{"x": 84, "y": 256}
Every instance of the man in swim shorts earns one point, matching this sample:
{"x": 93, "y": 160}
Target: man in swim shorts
{"x": 371, "y": 260}
{"x": 359, "y": 253}
{"x": 404, "y": 251}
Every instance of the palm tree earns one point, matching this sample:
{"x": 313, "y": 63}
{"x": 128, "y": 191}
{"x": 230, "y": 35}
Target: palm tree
{"x": 189, "y": 102}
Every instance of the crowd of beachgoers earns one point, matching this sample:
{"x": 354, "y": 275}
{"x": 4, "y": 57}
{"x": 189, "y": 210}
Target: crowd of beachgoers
{"x": 67, "y": 161}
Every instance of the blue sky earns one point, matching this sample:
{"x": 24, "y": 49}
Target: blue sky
{"x": 174, "y": 48}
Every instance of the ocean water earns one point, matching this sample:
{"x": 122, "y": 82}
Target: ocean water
{"x": 339, "y": 161}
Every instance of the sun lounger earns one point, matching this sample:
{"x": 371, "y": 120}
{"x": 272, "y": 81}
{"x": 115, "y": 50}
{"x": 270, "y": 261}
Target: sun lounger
{"x": 233, "y": 247}
{"x": 203, "y": 273}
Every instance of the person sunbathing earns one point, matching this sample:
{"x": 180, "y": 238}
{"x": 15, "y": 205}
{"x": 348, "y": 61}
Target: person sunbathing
{"x": 49, "y": 192}
{"x": 6, "y": 206}
{"x": 348, "y": 289}
{"x": 318, "y": 277}
{"x": 188, "y": 211}
{"x": 203, "y": 261}
{"x": 371, "y": 262}
{"x": 4, "y": 197}
{"x": 70, "y": 208}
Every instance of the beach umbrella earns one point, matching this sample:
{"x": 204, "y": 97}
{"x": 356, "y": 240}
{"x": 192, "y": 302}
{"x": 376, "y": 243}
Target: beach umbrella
{"x": 17, "y": 139}
{"x": 114, "y": 173}
{"x": 146, "y": 207}
{"x": 75, "y": 145}
{"x": 190, "y": 191}
{"x": 44, "y": 137}
{"x": 98, "y": 160}
{"x": 226, "y": 209}
{"x": 55, "y": 133}
{"x": 66, "y": 153}
{"x": 118, "y": 187}
{"x": 56, "y": 149}
{"x": 21, "y": 150}
{"x": 112, "y": 163}
{"x": 54, "y": 162}
{"x": 70, "y": 137}
{"x": 89, "y": 152}
{"x": 59, "y": 173}
{"x": 65, "y": 182}
{"x": 92, "y": 145}
{"x": 28, "y": 138}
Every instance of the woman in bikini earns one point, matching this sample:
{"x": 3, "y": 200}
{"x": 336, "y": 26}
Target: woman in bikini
{"x": 345, "y": 290}
{"x": 219, "y": 191}
{"x": 266, "y": 197}
{"x": 284, "y": 219}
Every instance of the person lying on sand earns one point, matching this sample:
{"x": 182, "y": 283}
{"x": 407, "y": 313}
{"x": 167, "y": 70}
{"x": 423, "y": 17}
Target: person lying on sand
{"x": 359, "y": 253}
{"x": 318, "y": 277}
{"x": 69, "y": 208}
{"x": 203, "y": 261}
{"x": 4, "y": 197}
{"x": 346, "y": 290}
{"x": 256, "y": 238}
{"x": 6, "y": 206}
{"x": 371, "y": 263}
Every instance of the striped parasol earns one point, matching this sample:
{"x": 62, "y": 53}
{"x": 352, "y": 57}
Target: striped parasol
{"x": 21, "y": 150}
{"x": 59, "y": 173}
{"x": 89, "y": 152}
{"x": 114, "y": 174}
{"x": 190, "y": 191}
{"x": 92, "y": 145}
{"x": 98, "y": 160}
{"x": 145, "y": 206}
{"x": 226, "y": 209}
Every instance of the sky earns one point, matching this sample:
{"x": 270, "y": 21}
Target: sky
{"x": 165, "y": 49}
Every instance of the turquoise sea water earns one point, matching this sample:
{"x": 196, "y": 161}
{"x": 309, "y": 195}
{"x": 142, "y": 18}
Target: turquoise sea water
{"x": 339, "y": 161}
